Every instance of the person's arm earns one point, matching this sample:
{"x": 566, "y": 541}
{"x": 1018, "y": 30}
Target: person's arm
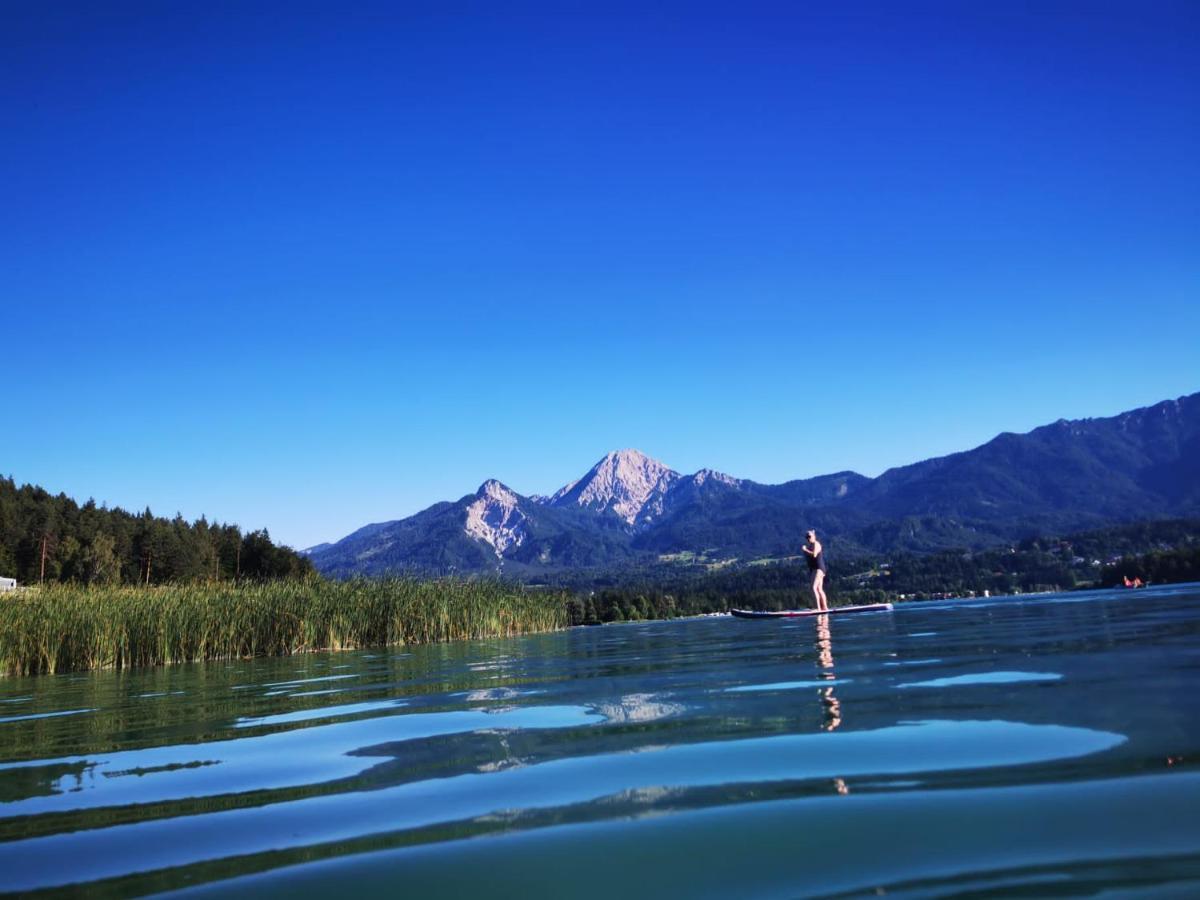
{"x": 808, "y": 551}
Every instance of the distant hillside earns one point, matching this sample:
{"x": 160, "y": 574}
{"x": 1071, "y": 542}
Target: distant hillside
{"x": 52, "y": 536}
{"x": 629, "y": 509}
{"x": 1162, "y": 551}
{"x": 1141, "y": 464}
{"x": 481, "y": 532}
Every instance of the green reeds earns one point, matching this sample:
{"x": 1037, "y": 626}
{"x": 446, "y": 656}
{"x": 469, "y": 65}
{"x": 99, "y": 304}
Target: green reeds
{"x": 63, "y": 628}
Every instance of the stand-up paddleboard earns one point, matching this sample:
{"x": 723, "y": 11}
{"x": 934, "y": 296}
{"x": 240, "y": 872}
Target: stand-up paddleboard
{"x": 803, "y": 613}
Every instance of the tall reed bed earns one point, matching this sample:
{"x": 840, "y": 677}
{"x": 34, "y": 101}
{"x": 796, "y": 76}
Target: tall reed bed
{"x": 63, "y": 628}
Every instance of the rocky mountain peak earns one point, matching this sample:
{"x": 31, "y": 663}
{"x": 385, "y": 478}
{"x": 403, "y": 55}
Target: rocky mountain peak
{"x": 495, "y": 517}
{"x": 496, "y": 491}
{"x": 713, "y": 475}
{"x": 627, "y": 482}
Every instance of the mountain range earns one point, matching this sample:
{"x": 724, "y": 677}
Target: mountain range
{"x": 629, "y": 509}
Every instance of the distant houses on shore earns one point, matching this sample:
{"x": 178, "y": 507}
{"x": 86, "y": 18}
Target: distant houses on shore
{"x": 8, "y": 584}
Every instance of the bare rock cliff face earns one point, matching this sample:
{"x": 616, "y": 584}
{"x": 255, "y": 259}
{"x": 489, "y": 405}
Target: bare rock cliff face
{"x": 626, "y": 482}
{"x": 495, "y": 517}
{"x": 705, "y": 476}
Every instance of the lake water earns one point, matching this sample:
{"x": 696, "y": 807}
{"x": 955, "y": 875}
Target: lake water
{"x": 1042, "y": 746}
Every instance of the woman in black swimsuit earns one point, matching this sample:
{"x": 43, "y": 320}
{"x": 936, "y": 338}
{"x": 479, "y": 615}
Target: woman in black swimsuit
{"x": 816, "y": 567}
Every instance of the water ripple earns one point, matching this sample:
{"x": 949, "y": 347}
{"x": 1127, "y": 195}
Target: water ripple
{"x": 985, "y": 678}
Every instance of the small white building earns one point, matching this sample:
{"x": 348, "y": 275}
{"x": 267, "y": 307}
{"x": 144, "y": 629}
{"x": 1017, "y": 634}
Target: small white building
{"x": 8, "y": 584}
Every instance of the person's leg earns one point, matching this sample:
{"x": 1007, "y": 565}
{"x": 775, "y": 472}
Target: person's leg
{"x": 819, "y": 589}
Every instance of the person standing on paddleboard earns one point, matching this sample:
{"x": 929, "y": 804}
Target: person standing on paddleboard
{"x": 816, "y": 567}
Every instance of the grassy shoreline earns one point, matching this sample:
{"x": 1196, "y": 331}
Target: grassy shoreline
{"x": 64, "y": 628}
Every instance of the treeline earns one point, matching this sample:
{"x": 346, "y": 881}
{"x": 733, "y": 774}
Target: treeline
{"x": 770, "y": 587}
{"x": 1035, "y": 564}
{"x": 1130, "y": 539}
{"x": 1159, "y": 567}
{"x": 960, "y": 573}
{"x": 1167, "y": 551}
{"x": 51, "y": 538}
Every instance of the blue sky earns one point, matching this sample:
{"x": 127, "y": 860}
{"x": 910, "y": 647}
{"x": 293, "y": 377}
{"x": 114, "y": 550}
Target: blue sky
{"x": 306, "y": 266}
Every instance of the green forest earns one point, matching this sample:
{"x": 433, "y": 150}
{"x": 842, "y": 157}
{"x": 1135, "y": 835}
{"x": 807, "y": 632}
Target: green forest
{"x": 1179, "y": 564}
{"x": 51, "y": 538}
{"x": 1156, "y": 552}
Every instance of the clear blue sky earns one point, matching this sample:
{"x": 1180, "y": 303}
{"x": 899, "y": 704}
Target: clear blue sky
{"x": 307, "y": 266}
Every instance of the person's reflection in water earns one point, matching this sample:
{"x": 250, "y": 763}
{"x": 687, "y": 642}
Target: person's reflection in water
{"x": 833, "y": 708}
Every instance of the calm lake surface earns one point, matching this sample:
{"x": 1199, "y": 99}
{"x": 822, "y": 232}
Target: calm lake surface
{"x": 1043, "y": 746}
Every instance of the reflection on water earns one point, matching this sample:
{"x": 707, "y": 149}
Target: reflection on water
{"x": 984, "y": 678}
{"x": 698, "y": 754}
{"x": 46, "y": 715}
{"x": 833, "y": 709}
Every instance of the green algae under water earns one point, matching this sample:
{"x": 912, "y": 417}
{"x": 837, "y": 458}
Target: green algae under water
{"x": 1043, "y": 746}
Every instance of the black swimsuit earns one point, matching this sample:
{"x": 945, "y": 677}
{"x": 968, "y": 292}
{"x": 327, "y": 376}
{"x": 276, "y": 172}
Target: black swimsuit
{"x": 817, "y": 563}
